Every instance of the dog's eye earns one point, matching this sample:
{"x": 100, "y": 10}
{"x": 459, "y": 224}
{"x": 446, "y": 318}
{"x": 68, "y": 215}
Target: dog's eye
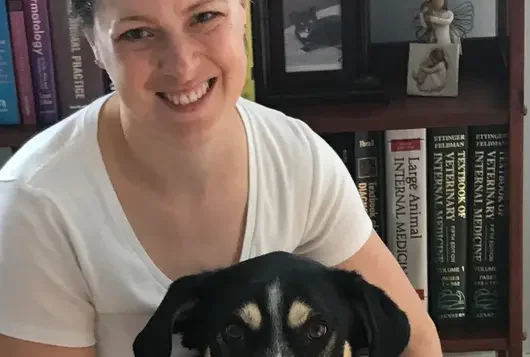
{"x": 316, "y": 330}
{"x": 234, "y": 332}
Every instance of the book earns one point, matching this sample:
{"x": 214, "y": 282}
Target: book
{"x": 9, "y": 108}
{"x": 488, "y": 244}
{"x": 19, "y": 44}
{"x": 369, "y": 175}
{"x": 406, "y": 197}
{"x": 41, "y": 58}
{"x": 447, "y": 151}
{"x": 79, "y": 79}
{"x": 249, "y": 90}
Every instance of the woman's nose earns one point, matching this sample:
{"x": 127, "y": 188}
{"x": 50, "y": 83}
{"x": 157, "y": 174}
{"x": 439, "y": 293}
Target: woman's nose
{"x": 180, "y": 58}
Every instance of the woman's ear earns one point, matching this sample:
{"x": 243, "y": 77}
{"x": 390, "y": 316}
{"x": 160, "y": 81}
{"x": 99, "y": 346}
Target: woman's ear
{"x": 385, "y": 326}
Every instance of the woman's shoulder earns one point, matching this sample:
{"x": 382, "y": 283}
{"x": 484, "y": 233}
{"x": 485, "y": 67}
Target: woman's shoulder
{"x": 56, "y": 151}
{"x": 275, "y": 126}
{"x": 286, "y": 142}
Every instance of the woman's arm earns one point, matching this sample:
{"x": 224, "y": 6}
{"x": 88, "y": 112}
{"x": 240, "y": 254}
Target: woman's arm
{"x": 378, "y": 266}
{"x": 44, "y": 297}
{"x": 14, "y": 347}
{"x": 339, "y": 232}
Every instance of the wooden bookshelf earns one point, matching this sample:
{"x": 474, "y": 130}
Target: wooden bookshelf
{"x": 491, "y": 83}
{"x": 16, "y": 135}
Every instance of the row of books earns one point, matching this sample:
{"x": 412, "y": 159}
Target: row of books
{"x": 47, "y": 64}
{"x": 438, "y": 198}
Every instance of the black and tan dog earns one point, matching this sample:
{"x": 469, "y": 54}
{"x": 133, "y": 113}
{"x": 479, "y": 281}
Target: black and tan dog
{"x": 275, "y": 305}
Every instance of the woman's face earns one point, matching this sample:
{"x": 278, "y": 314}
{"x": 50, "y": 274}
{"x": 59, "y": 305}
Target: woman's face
{"x": 173, "y": 61}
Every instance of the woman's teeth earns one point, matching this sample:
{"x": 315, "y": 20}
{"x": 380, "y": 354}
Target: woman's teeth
{"x": 188, "y": 97}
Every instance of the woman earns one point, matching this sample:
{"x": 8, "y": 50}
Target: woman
{"x": 172, "y": 174}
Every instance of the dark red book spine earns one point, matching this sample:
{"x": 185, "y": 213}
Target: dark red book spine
{"x": 19, "y": 44}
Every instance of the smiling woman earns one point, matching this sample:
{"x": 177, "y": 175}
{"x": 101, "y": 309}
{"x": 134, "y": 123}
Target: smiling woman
{"x": 172, "y": 174}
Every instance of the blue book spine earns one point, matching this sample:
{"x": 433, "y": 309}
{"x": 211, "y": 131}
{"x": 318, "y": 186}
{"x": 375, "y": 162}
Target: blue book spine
{"x": 9, "y": 110}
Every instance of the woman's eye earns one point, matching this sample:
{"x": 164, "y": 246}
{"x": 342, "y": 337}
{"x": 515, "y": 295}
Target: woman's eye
{"x": 205, "y": 16}
{"x": 136, "y": 34}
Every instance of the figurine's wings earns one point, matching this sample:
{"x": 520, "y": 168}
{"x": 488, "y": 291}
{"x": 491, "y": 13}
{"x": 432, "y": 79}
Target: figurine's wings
{"x": 463, "y": 21}
{"x": 423, "y": 32}
{"x": 464, "y": 14}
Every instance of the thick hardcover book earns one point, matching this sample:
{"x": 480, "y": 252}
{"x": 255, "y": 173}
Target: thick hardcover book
{"x": 9, "y": 108}
{"x": 41, "y": 58}
{"x": 488, "y": 246}
{"x": 406, "y": 199}
{"x": 342, "y": 143}
{"x": 249, "y": 90}
{"x": 19, "y": 44}
{"x": 79, "y": 79}
{"x": 369, "y": 174}
{"x": 447, "y": 152}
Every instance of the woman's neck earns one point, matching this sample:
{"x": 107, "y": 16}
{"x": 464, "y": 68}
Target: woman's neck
{"x": 173, "y": 163}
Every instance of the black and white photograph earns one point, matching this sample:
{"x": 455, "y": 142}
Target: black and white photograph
{"x": 313, "y": 35}
{"x": 433, "y": 70}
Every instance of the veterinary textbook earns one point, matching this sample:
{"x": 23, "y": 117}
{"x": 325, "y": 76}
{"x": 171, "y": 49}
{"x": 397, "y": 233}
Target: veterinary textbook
{"x": 406, "y": 182}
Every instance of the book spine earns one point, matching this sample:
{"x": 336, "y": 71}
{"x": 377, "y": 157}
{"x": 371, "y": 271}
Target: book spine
{"x": 19, "y": 43}
{"x": 342, "y": 143}
{"x": 406, "y": 184}
{"x": 9, "y": 108}
{"x": 447, "y": 216}
{"x": 249, "y": 90}
{"x": 489, "y": 227}
{"x": 79, "y": 79}
{"x": 369, "y": 148}
{"x": 41, "y": 59}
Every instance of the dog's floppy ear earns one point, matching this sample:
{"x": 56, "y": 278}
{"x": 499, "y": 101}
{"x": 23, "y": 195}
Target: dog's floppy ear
{"x": 156, "y": 338}
{"x": 386, "y": 326}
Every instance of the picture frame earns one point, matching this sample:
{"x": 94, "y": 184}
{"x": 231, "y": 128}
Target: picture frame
{"x": 311, "y": 50}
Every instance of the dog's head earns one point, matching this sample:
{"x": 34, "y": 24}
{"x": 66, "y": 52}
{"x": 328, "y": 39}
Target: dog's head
{"x": 275, "y": 305}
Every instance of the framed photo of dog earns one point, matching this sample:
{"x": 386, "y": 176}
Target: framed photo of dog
{"x": 311, "y": 50}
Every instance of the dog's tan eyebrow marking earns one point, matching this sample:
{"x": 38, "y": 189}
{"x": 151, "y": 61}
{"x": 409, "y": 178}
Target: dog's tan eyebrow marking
{"x": 298, "y": 314}
{"x": 251, "y": 315}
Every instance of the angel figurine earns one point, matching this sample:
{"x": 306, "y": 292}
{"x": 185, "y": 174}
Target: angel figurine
{"x": 438, "y": 24}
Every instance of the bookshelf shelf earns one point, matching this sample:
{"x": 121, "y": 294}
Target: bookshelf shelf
{"x": 481, "y": 101}
{"x": 472, "y": 339}
{"x": 16, "y": 135}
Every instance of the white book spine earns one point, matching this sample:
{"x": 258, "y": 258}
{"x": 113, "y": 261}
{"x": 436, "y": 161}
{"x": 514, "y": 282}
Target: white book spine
{"x": 406, "y": 182}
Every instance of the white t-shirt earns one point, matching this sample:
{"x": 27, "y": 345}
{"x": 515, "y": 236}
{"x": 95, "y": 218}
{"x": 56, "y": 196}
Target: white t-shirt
{"x": 72, "y": 272}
